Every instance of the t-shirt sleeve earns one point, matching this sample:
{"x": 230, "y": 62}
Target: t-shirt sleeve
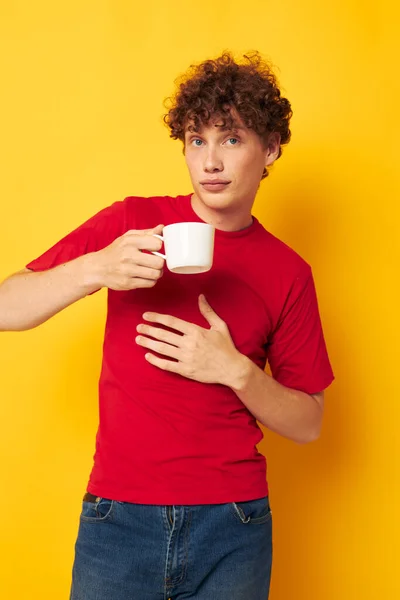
{"x": 96, "y": 233}
{"x": 296, "y": 351}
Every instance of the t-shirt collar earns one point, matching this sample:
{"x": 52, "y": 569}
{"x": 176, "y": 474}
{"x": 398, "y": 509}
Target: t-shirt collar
{"x": 186, "y": 209}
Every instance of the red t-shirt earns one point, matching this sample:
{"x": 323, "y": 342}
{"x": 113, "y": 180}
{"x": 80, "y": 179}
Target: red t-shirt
{"x": 165, "y": 439}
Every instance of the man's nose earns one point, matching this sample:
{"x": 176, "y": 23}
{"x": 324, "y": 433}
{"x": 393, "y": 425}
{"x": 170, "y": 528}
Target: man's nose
{"x": 213, "y": 161}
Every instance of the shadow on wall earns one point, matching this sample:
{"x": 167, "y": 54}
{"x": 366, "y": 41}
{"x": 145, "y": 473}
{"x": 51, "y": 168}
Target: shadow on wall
{"x": 306, "y": 481}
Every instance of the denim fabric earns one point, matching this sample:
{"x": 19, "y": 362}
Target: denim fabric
{"x": 130, "y": 551}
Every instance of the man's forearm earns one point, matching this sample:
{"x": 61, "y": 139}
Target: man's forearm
{"x": 28, "y": 299}
{"x": 291, "y": 413}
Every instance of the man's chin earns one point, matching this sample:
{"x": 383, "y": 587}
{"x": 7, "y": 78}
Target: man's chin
{"x": 220, "y": 200}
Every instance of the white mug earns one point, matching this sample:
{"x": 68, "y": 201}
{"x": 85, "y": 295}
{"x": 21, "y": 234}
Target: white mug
{"x": 189, "y": 247}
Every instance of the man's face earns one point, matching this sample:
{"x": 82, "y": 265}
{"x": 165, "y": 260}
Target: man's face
{"x": 236, "y": 158}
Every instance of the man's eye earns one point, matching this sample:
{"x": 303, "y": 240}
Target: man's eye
{"x": 198, "y": 143}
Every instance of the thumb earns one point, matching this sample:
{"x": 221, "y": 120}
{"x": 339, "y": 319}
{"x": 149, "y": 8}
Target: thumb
{"x": 208, "y": 313}
{"x": 158, "y": 229}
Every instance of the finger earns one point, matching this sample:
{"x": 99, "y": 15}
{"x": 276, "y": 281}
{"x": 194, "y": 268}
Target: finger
{"x": 165, "y": 365}
{"x": 161, "y": 334}
{"x": 159, "y": 347}
{"x": 170, "y": 321}
{"x": 146, "y": 242}
{"x": 136, "y": 282}
{"x": 208, "y": 313}
{"x": 157, "y": 229}
{"x": 149, "y": 260}
{"x": 146, "y": 273}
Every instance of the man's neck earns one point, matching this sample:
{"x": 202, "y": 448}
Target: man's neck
{"x": 223, "y": 220}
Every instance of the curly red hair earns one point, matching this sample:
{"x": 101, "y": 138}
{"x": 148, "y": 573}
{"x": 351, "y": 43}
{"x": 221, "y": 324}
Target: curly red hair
{"x": 216, "y": 89}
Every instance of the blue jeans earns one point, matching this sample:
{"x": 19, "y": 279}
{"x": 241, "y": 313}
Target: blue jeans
{"x": 130, "y": 551}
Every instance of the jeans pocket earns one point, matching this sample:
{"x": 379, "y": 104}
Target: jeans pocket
{"x": 253, "y": 512}
{"x": 97, "y": 512}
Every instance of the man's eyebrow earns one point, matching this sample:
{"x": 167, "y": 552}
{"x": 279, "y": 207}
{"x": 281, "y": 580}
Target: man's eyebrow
{"x": 233, "y": 129}
{"x": 222, "y": 130}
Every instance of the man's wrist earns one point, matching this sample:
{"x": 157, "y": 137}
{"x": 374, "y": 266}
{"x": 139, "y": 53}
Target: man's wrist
{"x": 240, "y": 373}
{"x": 90, "y": 273}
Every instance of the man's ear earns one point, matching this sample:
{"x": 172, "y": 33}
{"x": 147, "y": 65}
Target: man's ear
{"x": 273, "y": 148}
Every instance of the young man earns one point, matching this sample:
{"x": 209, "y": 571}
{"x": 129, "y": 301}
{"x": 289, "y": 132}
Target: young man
{"x": 177, "y": 501}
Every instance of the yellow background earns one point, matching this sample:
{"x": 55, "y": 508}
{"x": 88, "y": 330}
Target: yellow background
{"x": 81, "y": 104}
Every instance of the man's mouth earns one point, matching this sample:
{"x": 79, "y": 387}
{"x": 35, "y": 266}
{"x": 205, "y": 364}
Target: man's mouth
{"x": 214, "y": 185}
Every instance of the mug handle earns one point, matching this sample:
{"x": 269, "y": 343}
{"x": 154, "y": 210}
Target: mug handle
{"x": 159, "y": 253}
